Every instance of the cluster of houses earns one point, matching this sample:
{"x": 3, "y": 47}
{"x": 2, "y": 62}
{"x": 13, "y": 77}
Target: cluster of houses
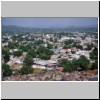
{"x": 17, "y": 62}
{"x": 59, "y": 52}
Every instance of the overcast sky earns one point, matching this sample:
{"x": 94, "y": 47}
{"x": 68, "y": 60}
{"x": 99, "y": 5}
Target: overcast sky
{"x": 50, "y": 22}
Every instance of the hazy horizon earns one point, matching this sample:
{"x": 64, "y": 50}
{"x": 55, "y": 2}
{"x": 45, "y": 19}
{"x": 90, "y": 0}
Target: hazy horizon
{"x": 50, "y": 22}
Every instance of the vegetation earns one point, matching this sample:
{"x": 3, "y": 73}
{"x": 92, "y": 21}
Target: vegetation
{"x": 6, "y": 71}
{"x": 94, "y": 65}
{"x": 28, "y": 61}
{"x": 67, "y": 46}
{"x": 17, "y": 53}
{"x": 6, "y": 55}
{"x": 44, "y": 53}
{"x": 26, "y": 70}
{"x": 25, "y": 48}
{"x": 73, "y": 65}
{"x": 83, "y": 63}
{"x": 89, "y": 47}
{"x": 49, "y": 46}
{"x": 32, "y": 53}
{"x": 94, "y": 54}
{"x": 73, "y": 52}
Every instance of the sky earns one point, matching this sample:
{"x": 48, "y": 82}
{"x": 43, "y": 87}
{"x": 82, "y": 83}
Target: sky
{"x": 50, "y": 22}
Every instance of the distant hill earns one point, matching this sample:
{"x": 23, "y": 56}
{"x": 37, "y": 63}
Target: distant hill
{"x": 19, "y": 29}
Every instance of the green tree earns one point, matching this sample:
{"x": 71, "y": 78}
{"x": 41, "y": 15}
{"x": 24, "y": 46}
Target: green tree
{"x": 67, "y": 46}
{"x": 25, "y": 48}
{"x": 32, "y": 53}
{"x": 67, "y": 65}
{"x": 6, "y": 71}
{"x": 51, "y": 39}
{"x": 94, "y": 54}
{"x": 94, "y": 65}
{"x": 44, "y": 53}
{"x": 79, "y": 47}
{"x": 83, "y": 62}
{"x": 6, "y": 55}
{"x": 26, "y": 70}
{"x": 49, "y": 46}
{"x": 89, "y": 47}
{"x": 28, "y": 61}
{"x": 55, "y": 47}
{"x": 55, "y": 40}
{"x": 17, "y": 53}
{"x": 73, "y": 52}
{"x": 11, "y": 45}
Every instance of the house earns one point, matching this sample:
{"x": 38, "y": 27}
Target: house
{"x": 12, "y": 50}
{"x": 56, "y": 51}
{"x": 54, "y": 56}
{"x": 4, "y": 44}
{"x": 38, "y": 66}
{"x": 14, "y": 61}
{"x": 62, "y": 51}
{"x": 40, "y": 62}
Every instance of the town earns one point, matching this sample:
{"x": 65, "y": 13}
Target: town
{"x": 50, "y": 56}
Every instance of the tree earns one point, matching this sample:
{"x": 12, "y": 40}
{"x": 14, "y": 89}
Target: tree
{"x": 11, "y": 45}
{"x": 6, "y": 71}
{"x": 28, "y": 61}
{"x": 25, "y": 48}
{"x": 49, "y": 46}
{"x": 94, "y": 54}
{"x": 94, "y": 65}
{"x": 6, "y": 55}
{"x": 79, "y": 47}
{"x": 73, "y": 52}
{"x": 51, "y": 39}
{"x": 56, "y": 47}
{"x": 17, "y": 53}
{"x": 55, "y": 40}
{"x": 83, "y": 62}
{"x": 73, "y": 65}
{"x": 26, "y": 70}
{"x": 44, "y": 53}
{"x": 67, "y": 65}
{"x": 32, "y": 53}
{"x": 89, "y": 47}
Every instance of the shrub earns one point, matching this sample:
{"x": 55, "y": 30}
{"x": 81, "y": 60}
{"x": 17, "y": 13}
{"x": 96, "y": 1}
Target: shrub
{"x": 94, "y": 65}
{"x": 6, "y": 71}
{"x": 26, "y": 70}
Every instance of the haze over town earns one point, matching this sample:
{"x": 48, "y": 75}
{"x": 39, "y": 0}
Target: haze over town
{"x": 50, "y": 49}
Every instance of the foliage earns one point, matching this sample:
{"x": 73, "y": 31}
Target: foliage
{"x": 25, "y": 48}
{"x": 67, "y": 46}
{"x": 55, "y": 47}
{"x": 6, "y": 71}
{"x": 73, "y": 65}
{"x": 32, "y": 53}
{"x": 73, "y": 52}
{"x": 49, "y": 46}
{"x": 83, "y": 62}
{"x": 94, "y": 65}
{"x": 89, "y": 47}
{"x": 94, "y": 54}
{"x": 79, "y": 47}
{"x": 44, "y": 53}
{"x": 55, "y": 40}
{"x": 28, "y": 61}
{"x": 6, "y": 55}
{"x": 17, "y": 53}
{"x": 26, "y": 70}
{"x": 68, "y": 42}
{"x": 11, "y": 45}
